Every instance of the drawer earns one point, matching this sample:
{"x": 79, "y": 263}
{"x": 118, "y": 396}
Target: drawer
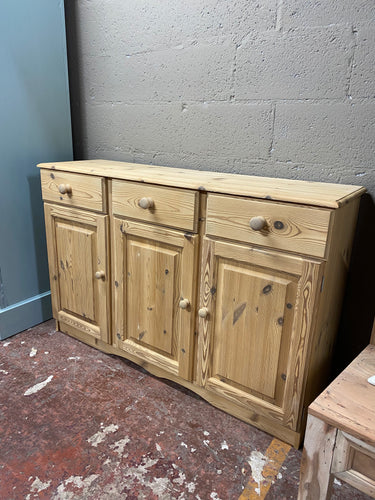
{"x": 286, "y": 227}
{"x": 75, "y": 190}
{"x": 171, "y": 207}
{"x": 354, "y": 462}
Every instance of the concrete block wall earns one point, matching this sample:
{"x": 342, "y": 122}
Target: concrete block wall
{"x": 282, "y": 88}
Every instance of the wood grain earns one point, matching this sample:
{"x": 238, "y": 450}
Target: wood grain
{"x": 79, "y": 323}
{"x": 316, "y": 478}
{"x": 249, "y": 324}
{"x": 329, "y": 307}
{"x": 349, "y": 401}
{"x": 272, "y": 295}
{"x": 207, "y": 300}
{"x": 309, "y": 193}
{"x": 307, "y": 301}
{"x": 75, "y": 273}
{"x": 288, "y": 227}
{"x": 86, "y": 190}
{"x": 245, "y": 399}
{"x": 198, "y": 278}
{"x": 77, "y": 249}
{"x": 253, "y": 345}
{"x": 354, "y": 462}
{"x": 154, "y": 268}
{"x": 344, "y": 412}
{"x": 177, "y": 208}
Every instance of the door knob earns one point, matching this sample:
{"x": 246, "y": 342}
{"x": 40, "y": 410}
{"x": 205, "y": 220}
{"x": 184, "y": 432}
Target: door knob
{"x": 100, "y": 275}
{"x": 146, "y": 203}
{"x": 203, "y": 312}
{"x": 65, "y": 188}
{"x": 258, "y": 223}
{"x": 184, "y": 303}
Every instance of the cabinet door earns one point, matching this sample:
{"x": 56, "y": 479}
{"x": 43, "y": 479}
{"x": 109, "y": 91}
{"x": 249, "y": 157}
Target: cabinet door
{"x": 77, "y": 255}
{"x": 154, "y": 270}
{"x": 252, "y": 343}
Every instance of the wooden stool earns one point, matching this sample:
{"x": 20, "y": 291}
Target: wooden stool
{"x": 340, "y": 433}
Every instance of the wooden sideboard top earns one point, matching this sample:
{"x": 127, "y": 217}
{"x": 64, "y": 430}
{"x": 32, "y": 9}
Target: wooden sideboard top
{"x": 295, "y": 191}
{"x": 349, "y": 401}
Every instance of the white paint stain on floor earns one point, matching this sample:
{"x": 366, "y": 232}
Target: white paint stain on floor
{"x": 159, "y": 486}
{"x": 37, "y": 387}
{"x": 33, "y": 352}
{"x": 77, "y": 482}
{"x": 191, "y": 487}
{"x": 162, "y": 487}
{"x": 38, "y": 485}
{"x": 257, "y": 461}
{"x": 131, "y": 407}
{"x": 180, "y": 479}
{"x": 119, "y": 446}
{"x": 214, "y": 496}
{"x": 100, "y": 436}
{"x": 224, "y": 445}
{"x": 138, "y": 472}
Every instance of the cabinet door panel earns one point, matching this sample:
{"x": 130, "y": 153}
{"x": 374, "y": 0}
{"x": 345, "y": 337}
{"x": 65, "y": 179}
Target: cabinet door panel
{"x": 76, "y": 282}
{"x": 254, "y": 340}
{"x": 250, "y": 317}
{"x": 154, "y": 269}
{"x": 152, "y": 279}
{"x": 77, "y": 247}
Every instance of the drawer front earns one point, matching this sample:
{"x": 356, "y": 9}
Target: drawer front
{"x": 171, "y": 207}
{"x": 75, "y": 190}
{"x": 275, "y": 225}
{"x": 354, "y": 462}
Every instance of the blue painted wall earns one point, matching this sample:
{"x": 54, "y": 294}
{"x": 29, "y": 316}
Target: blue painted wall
{"x": 34, "y": 127}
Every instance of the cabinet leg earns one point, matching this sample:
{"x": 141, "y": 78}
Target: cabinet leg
{"x": 316, "y": 478}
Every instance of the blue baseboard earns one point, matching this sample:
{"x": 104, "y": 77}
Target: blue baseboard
{"x": 25, "y": 314}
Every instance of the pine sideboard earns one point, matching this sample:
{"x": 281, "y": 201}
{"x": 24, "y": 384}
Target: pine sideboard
{"x": 229, "y": 285}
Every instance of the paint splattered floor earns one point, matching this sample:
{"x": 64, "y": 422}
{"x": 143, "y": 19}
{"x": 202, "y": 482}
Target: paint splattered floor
{"x": 76, "y": 423}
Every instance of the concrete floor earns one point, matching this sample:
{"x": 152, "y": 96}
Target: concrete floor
{"x": 76, "y": 423}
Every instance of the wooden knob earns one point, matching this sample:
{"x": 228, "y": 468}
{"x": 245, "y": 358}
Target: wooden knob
{"x": 146, "y": 203}
{"x": 100, "y": 275}
{"x": 258, "y": 223}
{"x": 184, "y": 303}
{"x": 203, "y": 312}
{"x": 65, "y": 188}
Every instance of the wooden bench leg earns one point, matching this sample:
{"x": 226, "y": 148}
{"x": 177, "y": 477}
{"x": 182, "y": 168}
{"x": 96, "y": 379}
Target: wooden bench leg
{"x": 316, "y": 478}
